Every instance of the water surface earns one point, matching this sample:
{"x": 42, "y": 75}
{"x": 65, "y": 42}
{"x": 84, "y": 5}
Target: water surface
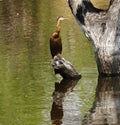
{"x": 28, "y": 83}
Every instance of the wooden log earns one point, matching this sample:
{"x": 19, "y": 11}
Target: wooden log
{"x": 64, "y": 68}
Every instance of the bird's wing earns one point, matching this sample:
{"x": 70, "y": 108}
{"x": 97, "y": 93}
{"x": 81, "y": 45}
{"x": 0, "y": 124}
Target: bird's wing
{"x": 101, "y": 4}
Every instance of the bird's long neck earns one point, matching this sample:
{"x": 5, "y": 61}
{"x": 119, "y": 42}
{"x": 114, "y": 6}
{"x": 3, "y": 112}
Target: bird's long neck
{"x": 58, "y": 26}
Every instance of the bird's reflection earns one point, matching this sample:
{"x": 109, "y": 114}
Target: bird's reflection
{"x": 62, "y": 89}
{"x": 106, "y": 106}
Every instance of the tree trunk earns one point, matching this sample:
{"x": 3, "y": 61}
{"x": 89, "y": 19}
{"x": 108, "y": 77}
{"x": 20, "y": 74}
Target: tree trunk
{"x": 64, "y": 68}
{"x": 107, "y": 46}
{"x": 104, "y": 30}
{"x": 102, "y": 27}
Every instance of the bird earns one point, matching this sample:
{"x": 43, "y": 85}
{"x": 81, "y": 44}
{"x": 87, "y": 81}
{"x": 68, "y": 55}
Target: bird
{"x": 55, "y": 39}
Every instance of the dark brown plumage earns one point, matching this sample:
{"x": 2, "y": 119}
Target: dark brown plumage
{"x": 55, "y": 39}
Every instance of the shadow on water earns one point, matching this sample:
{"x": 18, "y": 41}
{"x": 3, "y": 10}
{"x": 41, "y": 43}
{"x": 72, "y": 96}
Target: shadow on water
{"x": 106, "y": 106}
{"x": 62, "y": 89}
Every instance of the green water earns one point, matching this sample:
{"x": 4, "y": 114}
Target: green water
{"x": 27, "y": 79}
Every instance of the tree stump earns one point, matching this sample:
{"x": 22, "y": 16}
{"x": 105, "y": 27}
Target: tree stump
{"x": 64, "y": 68}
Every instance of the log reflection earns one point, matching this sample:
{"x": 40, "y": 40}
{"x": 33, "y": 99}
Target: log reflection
{"x": 106, "y": 107}
{"x": 62, "y": 89}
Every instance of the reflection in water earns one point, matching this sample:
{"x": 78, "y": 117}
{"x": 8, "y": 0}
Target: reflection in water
{"x": 106, "y": 107}
{"x": 62, "y": 89}
{"x": 18, "y": 20}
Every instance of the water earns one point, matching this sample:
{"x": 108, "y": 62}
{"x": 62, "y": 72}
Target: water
{"x": 30, "y": 92}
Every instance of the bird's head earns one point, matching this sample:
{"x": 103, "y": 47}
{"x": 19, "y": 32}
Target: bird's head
{"x": 59, "y": 19}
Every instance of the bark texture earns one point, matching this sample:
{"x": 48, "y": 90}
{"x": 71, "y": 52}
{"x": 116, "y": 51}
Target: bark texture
{"x": 102, "y": 27}
{"x": 106, "y": 40}
{"x": 64, "y": 68}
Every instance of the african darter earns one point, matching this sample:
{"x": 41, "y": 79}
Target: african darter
{"x": 55, "y": 39}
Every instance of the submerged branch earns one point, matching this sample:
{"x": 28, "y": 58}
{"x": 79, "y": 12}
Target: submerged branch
{"x": 64, "y": 67}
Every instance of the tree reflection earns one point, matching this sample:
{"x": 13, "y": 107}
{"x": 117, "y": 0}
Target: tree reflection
{"x": 106, "y": 106}
{"x": 19, "y": 19}
{"x": 62, "y": 89}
